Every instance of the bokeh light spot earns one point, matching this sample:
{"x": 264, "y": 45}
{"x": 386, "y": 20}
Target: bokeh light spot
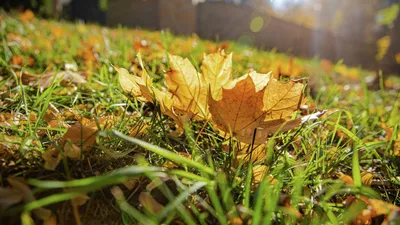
{"x": 256, "y": 24}
{"x": 245, "y": 40}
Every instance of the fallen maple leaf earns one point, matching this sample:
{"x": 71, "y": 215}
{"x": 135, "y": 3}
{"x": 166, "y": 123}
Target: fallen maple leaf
{"x": 239, "y": 111}
{"x": 242, "y": 113}
{"x": 252, "y": 104}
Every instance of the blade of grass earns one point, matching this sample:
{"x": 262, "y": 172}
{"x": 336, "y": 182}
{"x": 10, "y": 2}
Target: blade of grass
{"x": 247, "y": 189}
{"x": 165, "y": 153}
{"x": 191, "y": 176}
{"x": 356, "y": 172}
{"x": 178, "y": 201}
{"x": 107, "y": 179}
{"x": 263, "y": 189}
{"x": 226, "y": 195}
{"x": 216, "y": 202}
{"x": 128, "y": 209}
{"x": 50, "y": 200}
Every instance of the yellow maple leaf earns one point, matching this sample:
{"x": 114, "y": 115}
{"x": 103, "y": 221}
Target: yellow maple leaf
{"x": 282, "y": 98}
{"x": 188, "y": 87}
{"x": 252, "y": 104}
{"x": 132, "y": 84}
{"x": 217, "y": 72}
{"x": 141, "y": 87}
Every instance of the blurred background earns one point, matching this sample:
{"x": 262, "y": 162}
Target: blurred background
{"x": 360, "y": 32}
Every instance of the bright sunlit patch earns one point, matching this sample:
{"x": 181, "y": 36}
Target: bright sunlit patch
{"x": 282, "y": 4}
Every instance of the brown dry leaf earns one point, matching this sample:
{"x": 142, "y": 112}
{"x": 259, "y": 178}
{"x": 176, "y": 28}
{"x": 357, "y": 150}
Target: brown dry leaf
{"x": 45, "y": 80}
{"x": 52, "y": 158}
{"x": 149, "y": 203}
{"x": 374, "y": 209}
{"x": 52, "y": 220}
{"x": 18, "y": 192}
{"x": 326, "y": 65}
{"x": 80, "y": 200}
{"x": 104, "y": 122}
{"x": 285, "y": 201}
{"x": 9, "y": 143}
{"x": 367, "y": 178}
{"x": 13, "y": 119}
{"x": 346, "y": 178}
{"x": 43, "y": 214}
{"x": 154, "y": 199}
{"x": 72, "y": 151}
{"x": 77, "y": 139}
{"x": 137, "y": 130}
{"x": 380, "y": 207}
{"x": 76, "y": 202}
{"x": 131, "y": 182}
{"x": 235, "y": 221}
{"x": 52, "y": 113}
{"x": 142, "y": 88}
{"x": 82, "y": 136}
{"x": 9, "y": 197}
{"x": 287, "y": 69}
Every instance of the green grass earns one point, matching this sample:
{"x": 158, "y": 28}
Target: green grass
{"x": 211, "y": 186}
